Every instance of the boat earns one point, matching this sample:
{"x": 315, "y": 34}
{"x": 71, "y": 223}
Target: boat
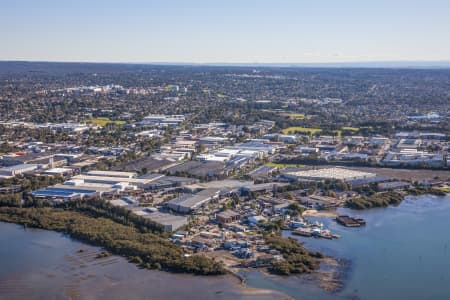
{"x": 328, "y": 236}
{"x": 297, "y": 224}
{"x": 303, "y": 232}
{"x": 316, "y": 231}
{"x": 361, "y": 221}
{"x": 325, "y": 234}
{"x": 318, "y": 224}
{"x": 335, "y": 236}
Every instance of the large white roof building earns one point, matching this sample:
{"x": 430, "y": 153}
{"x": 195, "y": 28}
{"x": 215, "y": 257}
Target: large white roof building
{"x": 330, "y": 173}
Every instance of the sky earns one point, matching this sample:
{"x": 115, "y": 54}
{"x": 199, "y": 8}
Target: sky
{"x": 227, "y": 31}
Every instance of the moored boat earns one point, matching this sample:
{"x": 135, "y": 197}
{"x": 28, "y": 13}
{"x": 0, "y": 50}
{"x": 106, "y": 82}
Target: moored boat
{"x": 303, "y": 232}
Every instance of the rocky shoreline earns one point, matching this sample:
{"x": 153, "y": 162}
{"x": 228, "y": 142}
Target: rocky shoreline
{"x": 332, "y": 274}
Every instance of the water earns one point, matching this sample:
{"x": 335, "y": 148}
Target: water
{"x": 402, "y": 253}
{"x": 39, "y": 264}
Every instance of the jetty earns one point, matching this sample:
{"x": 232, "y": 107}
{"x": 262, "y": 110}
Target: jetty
{"x": 308, "y": 229}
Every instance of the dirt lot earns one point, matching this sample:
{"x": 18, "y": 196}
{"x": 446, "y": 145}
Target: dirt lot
{"x": 320, "y": 214}
{"x": 407, "y": 174}
{"x": 228, "y": 259}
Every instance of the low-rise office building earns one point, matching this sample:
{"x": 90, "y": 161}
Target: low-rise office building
{"x": 227, "y": 216}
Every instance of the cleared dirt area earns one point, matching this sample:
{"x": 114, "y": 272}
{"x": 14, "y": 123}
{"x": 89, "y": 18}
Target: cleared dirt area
{"x": 400, "y": 174}
{"x": 320, "y": 214}
{"x": 407, "y": 174}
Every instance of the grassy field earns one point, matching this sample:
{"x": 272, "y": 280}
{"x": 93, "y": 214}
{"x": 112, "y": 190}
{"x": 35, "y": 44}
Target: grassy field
{"x": 443, "y": 189}
{"x": 351, "y": 128}
{"x": 219, "y": 95}
{"x": 313, "y": 131}
{"x": 297, "y": 116}
{"x": 301, "y": 129}
{"x": 103, "y": 121}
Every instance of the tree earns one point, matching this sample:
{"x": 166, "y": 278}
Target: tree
{"x": 294, "y": 209}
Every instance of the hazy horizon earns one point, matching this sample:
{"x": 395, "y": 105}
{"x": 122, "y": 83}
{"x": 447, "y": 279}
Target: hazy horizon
{"x": 348, "y": 64}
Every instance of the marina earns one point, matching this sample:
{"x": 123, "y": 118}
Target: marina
{"x": 305, "y": 228}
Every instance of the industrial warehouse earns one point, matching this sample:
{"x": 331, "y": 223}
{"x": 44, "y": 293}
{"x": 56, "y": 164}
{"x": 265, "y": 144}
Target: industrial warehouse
{"x": 169, "y": 222}
{"x": 191, "y": 202}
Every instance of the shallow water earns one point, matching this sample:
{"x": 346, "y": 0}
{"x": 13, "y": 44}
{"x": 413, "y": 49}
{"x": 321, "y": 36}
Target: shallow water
{"x": 39, "y": 264}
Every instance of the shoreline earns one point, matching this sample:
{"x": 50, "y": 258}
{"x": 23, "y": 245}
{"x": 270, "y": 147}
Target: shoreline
{"x": 328, "y": 280}
{"x": 104, "y": 278}
{"x": 330, "y": 277}
{"x": 320, "y": 214}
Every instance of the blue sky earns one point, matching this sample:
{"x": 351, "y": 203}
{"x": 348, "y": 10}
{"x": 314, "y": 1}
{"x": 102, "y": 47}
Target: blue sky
{"x": 228, "y": 31}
